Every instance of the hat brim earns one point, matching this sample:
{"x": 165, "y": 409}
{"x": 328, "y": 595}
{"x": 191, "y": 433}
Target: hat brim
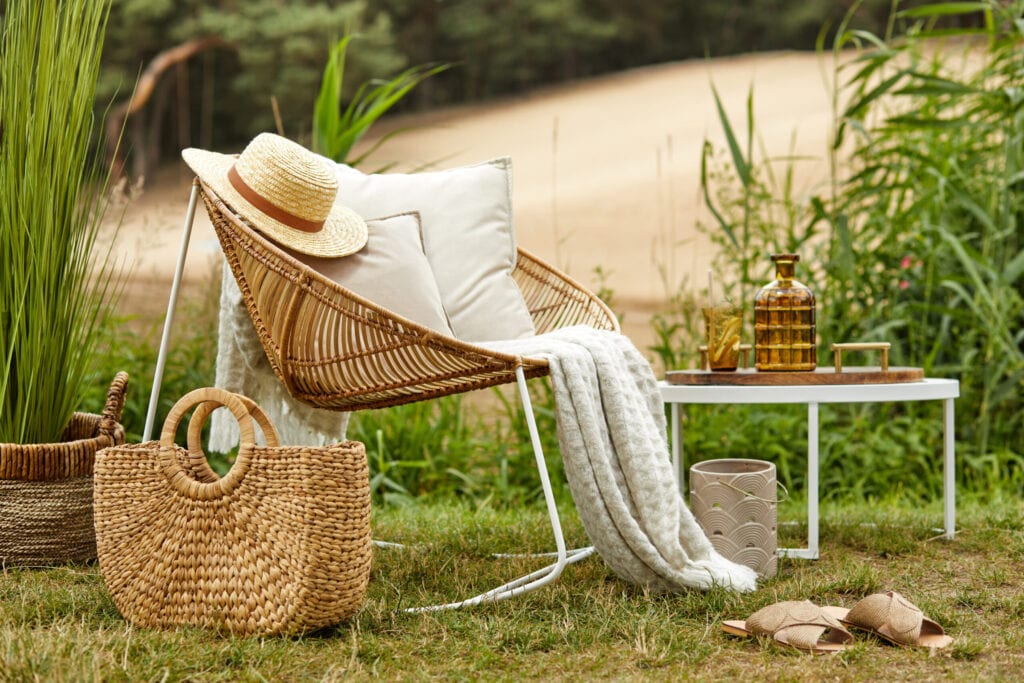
{"x": 344, "y": 231}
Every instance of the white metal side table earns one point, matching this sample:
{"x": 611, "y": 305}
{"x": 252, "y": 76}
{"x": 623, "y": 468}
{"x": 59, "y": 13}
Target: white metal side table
{"x": 928, "y": 389}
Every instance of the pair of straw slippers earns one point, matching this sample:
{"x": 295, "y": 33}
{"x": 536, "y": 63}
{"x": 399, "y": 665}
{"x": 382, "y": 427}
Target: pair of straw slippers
{"x": 808, "y": 627}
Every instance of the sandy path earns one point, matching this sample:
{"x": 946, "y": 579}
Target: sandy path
{"x": 606, "y": 172}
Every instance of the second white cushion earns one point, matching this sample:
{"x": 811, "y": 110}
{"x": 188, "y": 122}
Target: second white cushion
{"x": 391, "y": 271}
{"x": 466, "y": 214}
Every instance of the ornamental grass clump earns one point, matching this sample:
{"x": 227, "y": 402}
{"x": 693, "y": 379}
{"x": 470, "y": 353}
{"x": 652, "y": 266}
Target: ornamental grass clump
{"x": 336, "y": 130}
{"x": 54, "y": 296}
{"x": 913, "y": 237}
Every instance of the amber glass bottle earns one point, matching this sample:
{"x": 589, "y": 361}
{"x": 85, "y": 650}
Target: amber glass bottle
{"x": 784, "y": 321}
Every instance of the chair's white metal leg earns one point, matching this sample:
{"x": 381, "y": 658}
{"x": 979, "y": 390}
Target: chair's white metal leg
{"x": 507, "y": 590}
{"x": 578, "y": 553}
{"x": 949, "y": 467}
{"x": 678, "y": 461}
{"x": 542, "y": 466}
{"x": 540, "y": 577}
{"x": 589, "y": 550}
{"x": 161, "y": 358}
{"x": 523, "y": 584}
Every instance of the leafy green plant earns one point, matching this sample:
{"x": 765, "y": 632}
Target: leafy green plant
{"x": 932, "y": 137}
{"x": 914, "y": 239}
{"x": 418, "y": 449}
{"x": 336, "y": 130}
{"x": 754, "y": 202}
{"x": 677, "y": 330}
{"x": 474, "y": 448}
{"x": 131, "y": 344}
{"x": 54, "y": 296}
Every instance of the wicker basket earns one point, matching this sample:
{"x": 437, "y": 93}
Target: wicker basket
{"x": 279, "y": 545}
{"x": 46, "y": 513}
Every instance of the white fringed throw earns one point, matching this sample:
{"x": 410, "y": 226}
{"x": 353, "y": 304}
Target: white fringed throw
{"x": 611, "y": 430}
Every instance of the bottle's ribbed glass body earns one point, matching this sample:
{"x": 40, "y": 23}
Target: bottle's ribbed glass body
{"x": 784, "y": 335}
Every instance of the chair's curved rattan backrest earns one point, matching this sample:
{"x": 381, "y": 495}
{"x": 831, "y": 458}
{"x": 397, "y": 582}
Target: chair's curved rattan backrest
{"x": 336, "y": 350}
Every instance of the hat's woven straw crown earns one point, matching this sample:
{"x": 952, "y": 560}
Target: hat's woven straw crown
{"x": 288, "y": 176}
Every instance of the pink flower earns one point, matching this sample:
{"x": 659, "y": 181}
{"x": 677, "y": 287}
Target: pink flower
{"x": 906, "y": 262}
{"x": 904, "y": 284}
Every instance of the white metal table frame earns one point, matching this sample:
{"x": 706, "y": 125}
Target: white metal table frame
{"x": 929, "y": 389}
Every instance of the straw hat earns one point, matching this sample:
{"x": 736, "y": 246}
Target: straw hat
{"x": 286, "y": 192}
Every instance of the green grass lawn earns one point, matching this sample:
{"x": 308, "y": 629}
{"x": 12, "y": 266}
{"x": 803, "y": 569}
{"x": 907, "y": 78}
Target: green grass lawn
{"x": 60, "y": 624}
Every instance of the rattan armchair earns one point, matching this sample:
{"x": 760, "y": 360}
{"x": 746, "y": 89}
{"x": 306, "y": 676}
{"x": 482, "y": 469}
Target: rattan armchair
{"x": 335, "y": 350}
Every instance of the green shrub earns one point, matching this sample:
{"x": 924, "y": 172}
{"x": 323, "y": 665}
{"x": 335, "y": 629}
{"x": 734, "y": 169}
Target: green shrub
{"x": 337, "y": 129}
{"x": 915, "y": 238}
{"x": 926, "y": 248}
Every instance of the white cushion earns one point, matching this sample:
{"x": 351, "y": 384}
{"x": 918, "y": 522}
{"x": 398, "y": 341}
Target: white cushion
{"x": 391, "y": 271}
{"x": 466, "y": 214}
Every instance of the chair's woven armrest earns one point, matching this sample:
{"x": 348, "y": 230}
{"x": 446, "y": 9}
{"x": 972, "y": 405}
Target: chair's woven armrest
{"x": 555, "y": 300}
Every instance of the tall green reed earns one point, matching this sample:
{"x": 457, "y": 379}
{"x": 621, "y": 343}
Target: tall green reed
{"x": 915, "y": 237}
{"x": 926, "y": 248}
{"x": 54, "y": 296}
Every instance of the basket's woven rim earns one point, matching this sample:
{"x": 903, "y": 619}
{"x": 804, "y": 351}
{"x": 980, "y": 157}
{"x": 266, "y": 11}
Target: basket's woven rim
{"x": 61, "y": 460}
{"x": 74, "y": 455}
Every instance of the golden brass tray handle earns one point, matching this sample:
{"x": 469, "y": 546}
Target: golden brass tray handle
{"x": 837, "y": 352}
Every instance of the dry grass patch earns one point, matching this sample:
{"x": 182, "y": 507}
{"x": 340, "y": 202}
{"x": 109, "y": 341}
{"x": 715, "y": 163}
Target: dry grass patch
{"x": 60, "y": 624}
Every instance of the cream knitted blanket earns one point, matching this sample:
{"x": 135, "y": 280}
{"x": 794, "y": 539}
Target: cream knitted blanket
{"x": 611, "y": 430}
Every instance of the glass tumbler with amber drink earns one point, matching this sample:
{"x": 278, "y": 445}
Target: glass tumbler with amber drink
{"x": 722, "y": 325}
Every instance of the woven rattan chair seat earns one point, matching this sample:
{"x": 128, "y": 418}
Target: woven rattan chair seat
{"x": 336, "y": 350}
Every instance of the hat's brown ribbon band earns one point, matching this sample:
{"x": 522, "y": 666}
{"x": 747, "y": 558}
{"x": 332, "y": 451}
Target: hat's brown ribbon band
{"x": 270, "y": 209}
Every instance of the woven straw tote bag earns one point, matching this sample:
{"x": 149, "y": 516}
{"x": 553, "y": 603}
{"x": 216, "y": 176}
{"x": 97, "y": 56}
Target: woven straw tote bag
{"x": 278, "y": 546}
{"x": 46, "y": 513}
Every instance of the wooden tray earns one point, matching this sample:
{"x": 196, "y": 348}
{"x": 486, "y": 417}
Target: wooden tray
{"x": 848, "y": 375}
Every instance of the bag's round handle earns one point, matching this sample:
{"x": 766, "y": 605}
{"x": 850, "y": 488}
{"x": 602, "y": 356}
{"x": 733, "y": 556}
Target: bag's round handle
{"x": 199, "y": 417}
{"x": 179, "y": 479}
{"x": 197, "y": 458}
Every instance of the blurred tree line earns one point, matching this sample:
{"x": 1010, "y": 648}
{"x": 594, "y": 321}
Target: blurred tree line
{"x": 262, "y": 68}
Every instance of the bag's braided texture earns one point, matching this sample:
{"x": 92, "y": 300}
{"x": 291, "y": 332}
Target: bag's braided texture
{"x": 284, "y": 551}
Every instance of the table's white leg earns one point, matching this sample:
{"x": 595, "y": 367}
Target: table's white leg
{"x": 949, "y": 467}
{"x": 677, "y": 447}
{"x": 812, "y": 480}
{"x": 811, "y": 551}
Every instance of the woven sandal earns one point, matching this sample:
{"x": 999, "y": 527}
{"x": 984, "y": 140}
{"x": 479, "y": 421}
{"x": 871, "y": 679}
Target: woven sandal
{"x": 799, "y": 624}
{"x": 893, "y": 618}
